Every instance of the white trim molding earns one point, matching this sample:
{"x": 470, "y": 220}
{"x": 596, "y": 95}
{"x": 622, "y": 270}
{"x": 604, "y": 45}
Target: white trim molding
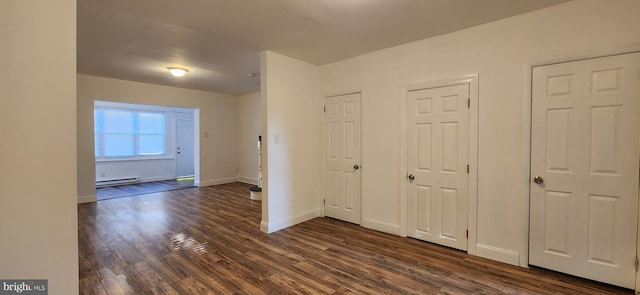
{"x": 215, "y": 181}
{"x": 273, "y": 226}
{"x": 87, "y": 199}
{"x": 498, "y": 254}
{"x": 248, "y": 180}
{"x": 387, "y": 227}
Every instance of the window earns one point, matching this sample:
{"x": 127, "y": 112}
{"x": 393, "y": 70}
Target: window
{"x": 151, "y": 134}
{"x": 128, "y": 133}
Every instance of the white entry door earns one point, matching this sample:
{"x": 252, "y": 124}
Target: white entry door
{"x": 437, "y": 158}
{"x": 184, "y": 147}
{"x": 584, "y": 168}
{"x": 342, "y": 149}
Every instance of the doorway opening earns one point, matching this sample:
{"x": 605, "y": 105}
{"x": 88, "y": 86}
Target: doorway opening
{"x": 142, "y": 149}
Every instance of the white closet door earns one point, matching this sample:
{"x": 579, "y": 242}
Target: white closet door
{"x": 584, "y": 157}
{"x": 437, "y": 158}
{"x": 342, "y": 178}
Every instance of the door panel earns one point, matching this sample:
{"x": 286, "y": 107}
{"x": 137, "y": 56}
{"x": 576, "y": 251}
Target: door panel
{"x": 437, "y": 156}
{"x": 185, "y": 148}
{"x": 585, "y": 148}
{"x": 342, "y": 180}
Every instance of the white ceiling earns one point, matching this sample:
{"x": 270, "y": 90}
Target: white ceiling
{"x": 219, "y": 41}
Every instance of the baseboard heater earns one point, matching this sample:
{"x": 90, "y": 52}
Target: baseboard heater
{"x": 119, "y": 181}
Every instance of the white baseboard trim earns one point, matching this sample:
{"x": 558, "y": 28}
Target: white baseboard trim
{"x": 382, "y": 226}
{"x": 87, "y": 199}
{"x": 264, "y": 226}
{"x": 277, "y": 225}
{"x": 498, "y": 254}
{"x": 215, "y": 181}
{"x": 248, "y": 180}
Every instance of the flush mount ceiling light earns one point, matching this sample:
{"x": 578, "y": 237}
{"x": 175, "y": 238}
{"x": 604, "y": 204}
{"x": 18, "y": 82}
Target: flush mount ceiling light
{"x": 177, "y": 72}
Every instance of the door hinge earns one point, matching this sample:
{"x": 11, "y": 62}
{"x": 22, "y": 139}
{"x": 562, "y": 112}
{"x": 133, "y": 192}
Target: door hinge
{"x": 467, "y": 168}
{"x": 637, "y": 263}
{"x": 469, "y": 103}
{"x": 467, "y": 234}
{"x": 324, "y": 201}
{"x": 325, "y": 109}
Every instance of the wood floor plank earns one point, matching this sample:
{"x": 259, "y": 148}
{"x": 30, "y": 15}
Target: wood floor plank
{"x": 92, "y": 285}
{"x": 207, "y": 241}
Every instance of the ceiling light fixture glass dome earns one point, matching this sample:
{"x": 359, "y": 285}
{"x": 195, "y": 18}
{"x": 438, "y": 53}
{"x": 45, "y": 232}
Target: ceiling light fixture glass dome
{"x": 177, "y": 72}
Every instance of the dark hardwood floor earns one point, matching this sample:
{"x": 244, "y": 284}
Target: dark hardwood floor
{"x": 207, "y": 241}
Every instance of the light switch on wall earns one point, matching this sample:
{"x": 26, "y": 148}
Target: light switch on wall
{"x": 276, "y": 138}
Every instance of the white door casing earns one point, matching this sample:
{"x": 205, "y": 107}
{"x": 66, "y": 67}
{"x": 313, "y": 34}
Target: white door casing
{"x": 585, "y": 149}
{"x": 342, "y": 151}
{"x": 437, "y": 159}
{"x": 185, "y": 147}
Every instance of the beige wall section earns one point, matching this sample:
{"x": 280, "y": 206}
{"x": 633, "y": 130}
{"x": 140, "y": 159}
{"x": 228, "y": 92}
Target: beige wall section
{"x": 249, "y": 127}
{"x": 38, "y": 212}
{"x": 217, "y": 117}
{"x": 499, "y": 52}
{"x": 292, "y": 133}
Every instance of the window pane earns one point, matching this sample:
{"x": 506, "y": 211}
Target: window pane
{"x": 151, "y": 123}
{"x": 118, "y": 121}
{"x": 118, "y": 145}
{"x": 128, "y": 133}
{"x": 151, "y": 144}
{"x": 97, "y": 121}
{"x": 96, "y": 144}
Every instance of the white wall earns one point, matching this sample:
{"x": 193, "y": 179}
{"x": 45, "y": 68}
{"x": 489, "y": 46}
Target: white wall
{"x": 292, "y": 112}
{"x": 249, "y": 127}
{"x": 500, "y": 52}
{"x": 144, "y": 170}
{"x": 217, "y": 117}
{"x": 38, "y": 212}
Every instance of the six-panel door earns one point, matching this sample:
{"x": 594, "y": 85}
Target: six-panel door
{"x": 437, "y": 156}
{"x": 584, "y": 151}
{"x": 342, "y": 150}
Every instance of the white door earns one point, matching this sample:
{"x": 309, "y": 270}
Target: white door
{"x": 342, "y": 149}
{"x": 437, "y": 158}
{"x": 584, "y": 158}
{"x": 184, "y": 147}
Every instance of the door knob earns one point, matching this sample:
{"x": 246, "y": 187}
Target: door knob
{"x": 356, "y": 167}
{"x": 411, "y": 177}
{"x": 538, "y": 179}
